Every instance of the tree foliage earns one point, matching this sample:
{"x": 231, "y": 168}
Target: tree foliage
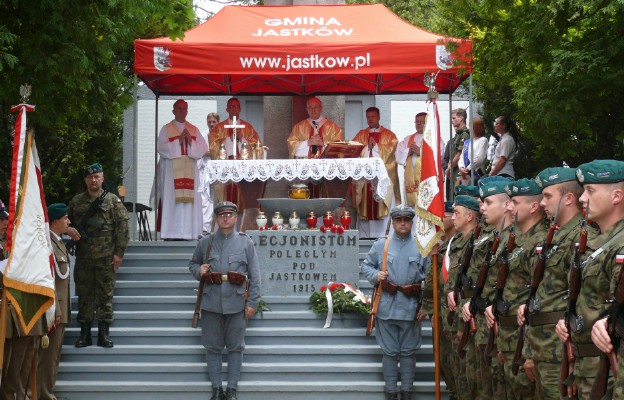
{"x": 78, "y": 57}
{"x": 555, "y": 67}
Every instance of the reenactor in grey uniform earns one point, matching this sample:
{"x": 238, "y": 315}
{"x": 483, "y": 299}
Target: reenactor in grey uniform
{"x": 531, "y": 230}
{"x": 603, "y": 200}
{"x": 227, "y": 263}
{"x": 98, "y": 255}
{"x": 465, "y": 219}
{"x": 49, "y": 358}
{"x": 20, "y": 350}
{"x": 542, "y": 350}
{"x": 485, "y": 376}
{"x": 398, "y": 333}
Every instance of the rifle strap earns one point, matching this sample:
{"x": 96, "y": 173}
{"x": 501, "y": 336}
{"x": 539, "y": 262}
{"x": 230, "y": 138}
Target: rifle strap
{"x": 384, "y": 260}
{"x": 208, "y": 249}
{"x": 604, "y": 246}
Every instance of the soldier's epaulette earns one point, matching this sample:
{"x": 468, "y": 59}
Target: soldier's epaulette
{"x": 244, "y": 234}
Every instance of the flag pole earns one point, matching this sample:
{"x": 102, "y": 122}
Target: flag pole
{"x": 4, "y": 313}
{"x": 436, "y": 325}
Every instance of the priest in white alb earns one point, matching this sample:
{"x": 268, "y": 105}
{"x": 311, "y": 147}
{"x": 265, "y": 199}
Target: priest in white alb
{"x": 180, "y": 145}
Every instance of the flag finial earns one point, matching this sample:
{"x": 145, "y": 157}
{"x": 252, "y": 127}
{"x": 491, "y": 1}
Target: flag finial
{"x": 25, "y": 91}
{"x": 430, "y": 82}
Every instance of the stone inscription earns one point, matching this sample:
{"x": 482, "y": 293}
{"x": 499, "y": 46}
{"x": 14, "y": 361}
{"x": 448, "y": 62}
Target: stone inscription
{"x": 298, "y": 263}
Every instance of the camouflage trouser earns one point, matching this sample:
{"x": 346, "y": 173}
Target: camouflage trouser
{"x": 547, "y": 380}
{"x": 448, "y": 357}
{"x": 484, "y": 374}
{"x": 462, "y": 389}
{"x": 95, "y": 282}
{"x": 470, "y": 369}
{"x": 517, "y": 386}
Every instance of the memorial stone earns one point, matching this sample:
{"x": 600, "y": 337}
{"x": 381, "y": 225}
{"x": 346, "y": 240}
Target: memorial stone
{"x": 299, "y": 262}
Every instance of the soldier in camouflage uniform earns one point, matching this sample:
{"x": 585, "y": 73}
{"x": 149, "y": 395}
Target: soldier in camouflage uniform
{"x": 603, "y": 190}
{"x": 465, "y": 219}
{"x": 98, "y": 255}
{"x": 486, "y": 374}
{"x": 462, "y": 133}
{"x": 446, "y": 348}
{"x": 531, "y": 231}
{"x": 542, "y": 349}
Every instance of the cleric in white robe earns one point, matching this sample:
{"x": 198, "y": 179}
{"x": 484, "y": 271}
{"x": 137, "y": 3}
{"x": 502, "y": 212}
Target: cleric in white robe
{"x": 180, "y": 145}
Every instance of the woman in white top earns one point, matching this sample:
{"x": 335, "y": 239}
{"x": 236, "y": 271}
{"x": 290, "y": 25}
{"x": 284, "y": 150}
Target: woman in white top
{"x": 469, "y": 163}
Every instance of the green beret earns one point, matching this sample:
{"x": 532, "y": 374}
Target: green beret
{"x": 402, "y": 211}
{"x": 448, "y": 206}
{"x": 466, "y": 190}
{"x": 56, "y": 211}
{"x": 522, "y": 187}
{"x": 552, "y": 176}
{"x": 93, "y": 169}
{"x": 495, "y": 178}
{"x": 491, "y": 188}
{"x": 600, "y": 171}
{"x": 467, "y": 201}
{"x": 225, "y": 206}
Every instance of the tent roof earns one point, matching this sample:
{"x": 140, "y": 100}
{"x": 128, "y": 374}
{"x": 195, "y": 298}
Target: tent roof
{"x": 302, "y": 50}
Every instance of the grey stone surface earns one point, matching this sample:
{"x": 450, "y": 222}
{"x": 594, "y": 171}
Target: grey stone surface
{"x": 298, "y": 263}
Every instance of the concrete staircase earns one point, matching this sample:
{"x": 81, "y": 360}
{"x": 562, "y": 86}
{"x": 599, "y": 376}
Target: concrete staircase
{"x": 157, "y": 355}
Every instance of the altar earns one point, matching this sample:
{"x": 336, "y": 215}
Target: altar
{"x": 253, "y": 174}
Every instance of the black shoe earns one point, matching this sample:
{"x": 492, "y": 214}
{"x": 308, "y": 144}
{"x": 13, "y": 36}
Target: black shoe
{"x": 392, "y": 396}
{"x": 85, "y": 335}
{"x": 406, "y": 395}
{"x": 103, "y": 339}
{"x": 230, "y": 394}
{"x": 217, "y": 394}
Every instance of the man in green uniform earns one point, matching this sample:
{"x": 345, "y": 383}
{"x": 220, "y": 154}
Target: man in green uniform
{"x": 531, "y": 231}
{"x": 603, "y": 201}
{"x": 542, "y": 350}
{"x": 102, "y": 239}
{"x": 465, "y": 220}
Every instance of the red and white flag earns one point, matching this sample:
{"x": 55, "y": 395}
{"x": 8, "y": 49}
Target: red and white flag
{"x": 430, "y": 203}
{"x": 29, "y": 273}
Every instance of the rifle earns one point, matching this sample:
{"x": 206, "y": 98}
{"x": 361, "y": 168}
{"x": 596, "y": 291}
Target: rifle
{"x": 376, "y": 295}
{"x": 499, "y": 306}
{"x": 94, "y": 207}
{"x": 470, "y": 326}
{"x": 463, "y": 279}
{"x": 567, "y": 363}
{"x": 530, "y": 306}
{"x": 615, "y": 328}
{"x": 200, "y": 289}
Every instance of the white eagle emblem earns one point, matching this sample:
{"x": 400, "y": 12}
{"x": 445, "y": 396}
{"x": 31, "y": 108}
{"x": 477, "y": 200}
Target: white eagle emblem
{"x": 162, "y": 61}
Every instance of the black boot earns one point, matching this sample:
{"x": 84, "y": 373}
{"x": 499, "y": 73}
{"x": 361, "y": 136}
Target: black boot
{"x": 85, "y": 335}
{"x": 406, "y": 395}
{"x": 217, "y": 394}
{"x": 230, "y": 394}
{"x": 392, "y": 396}
{"x": 103, "y": 339}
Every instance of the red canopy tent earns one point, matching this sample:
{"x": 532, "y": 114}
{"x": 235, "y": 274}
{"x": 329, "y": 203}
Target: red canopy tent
{"x": 302, "y": 50}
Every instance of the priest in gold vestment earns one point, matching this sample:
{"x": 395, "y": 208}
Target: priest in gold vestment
{"x": 381, "y": 143}
{"x": 220, "y": 135}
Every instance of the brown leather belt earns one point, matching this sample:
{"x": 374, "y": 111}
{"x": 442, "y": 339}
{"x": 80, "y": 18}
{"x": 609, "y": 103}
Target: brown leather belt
{"x": 511, "y": 320}
{"x": 548, "y": 318}
{"x": 215, "y": 278}
{"x": 412, "y": 290}
{"x": 585, "y": 350}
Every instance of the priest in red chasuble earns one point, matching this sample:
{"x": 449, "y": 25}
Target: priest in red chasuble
{"x": 310, "y": 136}
{"x": 380, "y": 143}
{"x": 220, "y": 135}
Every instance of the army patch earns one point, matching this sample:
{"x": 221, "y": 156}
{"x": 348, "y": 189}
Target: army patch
{"x": 538, "y": 249}
{"x": 619, "y": 259}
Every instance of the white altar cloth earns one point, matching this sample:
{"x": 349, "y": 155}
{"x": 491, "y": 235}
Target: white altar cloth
{"x": 303, "y": 169}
